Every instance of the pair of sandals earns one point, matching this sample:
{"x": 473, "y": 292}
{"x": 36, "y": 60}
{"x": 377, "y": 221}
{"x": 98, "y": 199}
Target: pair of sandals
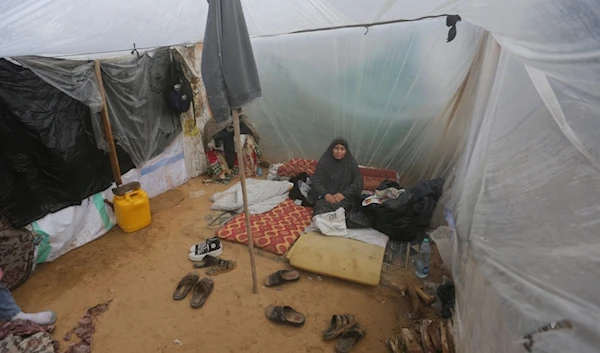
{"x": 347, "y": 329}
{"x": 200, "y": 288}
{"x": 215, "y": 265}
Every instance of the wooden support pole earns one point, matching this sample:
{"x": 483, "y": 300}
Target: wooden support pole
{"x": 426, "y": 298}
{"x": 108, "y": 136}
{"x": 238, "y": 148}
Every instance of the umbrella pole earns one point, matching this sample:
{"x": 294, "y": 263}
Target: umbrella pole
{"x": 238, "y": 148}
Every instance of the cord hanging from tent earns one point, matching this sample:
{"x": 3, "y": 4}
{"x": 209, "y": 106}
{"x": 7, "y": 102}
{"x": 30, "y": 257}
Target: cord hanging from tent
{"x": 135, "y": 51}
{"x": 451, "y": 21}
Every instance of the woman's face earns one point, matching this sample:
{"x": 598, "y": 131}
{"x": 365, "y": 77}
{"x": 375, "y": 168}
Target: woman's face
{"x": 339, "y": 152}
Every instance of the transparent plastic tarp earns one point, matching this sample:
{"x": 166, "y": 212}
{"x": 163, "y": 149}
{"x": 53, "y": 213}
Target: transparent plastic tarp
{"x": 64, "y": 27}
{"x": 368, "y": 86}
{"x": 527, "y": 223}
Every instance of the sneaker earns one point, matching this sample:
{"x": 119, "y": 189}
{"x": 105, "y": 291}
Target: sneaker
{"x": 210, "y": 247}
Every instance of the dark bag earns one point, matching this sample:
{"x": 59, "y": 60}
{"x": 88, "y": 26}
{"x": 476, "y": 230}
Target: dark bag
{"x": 181, "y": 94}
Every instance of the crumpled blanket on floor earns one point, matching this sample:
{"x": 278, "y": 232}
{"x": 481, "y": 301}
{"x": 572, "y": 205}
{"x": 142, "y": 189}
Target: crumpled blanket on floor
{"x": 263, "y": 196}
{"x": 20, "y": 336}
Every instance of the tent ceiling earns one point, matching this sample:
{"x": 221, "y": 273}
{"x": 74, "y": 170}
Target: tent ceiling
{"x": 64, "y": 27}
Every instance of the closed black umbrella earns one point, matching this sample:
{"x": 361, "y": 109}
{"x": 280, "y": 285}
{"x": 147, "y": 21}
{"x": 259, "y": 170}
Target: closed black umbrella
{"x": 231, "y": 80}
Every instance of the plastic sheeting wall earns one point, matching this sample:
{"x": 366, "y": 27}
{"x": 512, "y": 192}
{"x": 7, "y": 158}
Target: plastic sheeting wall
{"x": 142, "y": 121}
{"x": 526, "y": 205}
{"x": 48, "y": 156}
{"x": 368, "y": 87}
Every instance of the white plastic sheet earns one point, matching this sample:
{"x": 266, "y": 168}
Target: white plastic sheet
{"x": 527, "y": 213}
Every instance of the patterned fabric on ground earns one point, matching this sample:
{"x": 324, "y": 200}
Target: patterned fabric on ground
{"x": 85, "y": 329}
{"x": 219, "y": 172}
{"x": 372, "y": 177}
{"x": 274, "y": 231}
{"x": 20, "y": 336}
{"x": 17, "y": 260}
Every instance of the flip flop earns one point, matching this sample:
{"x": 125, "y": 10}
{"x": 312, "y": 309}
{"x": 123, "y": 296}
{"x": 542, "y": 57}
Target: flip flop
{"x": 184, "y": 286}
{"x": 339, "y": 324}
{"x": 222, "y": 266}
{"x": 281, "y": 276}
{"x": 207, "y": 261}
{"x": 285, "y": 315}
{"x": 349, "y": 338}
{"x": 201, "y": 292}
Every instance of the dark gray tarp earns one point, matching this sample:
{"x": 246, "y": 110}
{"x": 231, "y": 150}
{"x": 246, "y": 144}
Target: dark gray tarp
{"x": 137, "y": 90}
{"x": 228, "y": 67}
{"x": 48, "y": 154}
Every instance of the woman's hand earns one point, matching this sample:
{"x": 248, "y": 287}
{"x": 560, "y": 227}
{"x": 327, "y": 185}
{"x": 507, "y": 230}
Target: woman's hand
{"x": 338, "y": 197}
{"x": 330, "y": 198}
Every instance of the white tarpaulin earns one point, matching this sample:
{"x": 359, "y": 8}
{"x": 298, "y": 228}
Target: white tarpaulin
{"x": 509, "y": 112}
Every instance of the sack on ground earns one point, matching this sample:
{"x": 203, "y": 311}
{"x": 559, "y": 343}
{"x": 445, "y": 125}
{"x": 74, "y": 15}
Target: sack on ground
{"x": 332, "y": 223}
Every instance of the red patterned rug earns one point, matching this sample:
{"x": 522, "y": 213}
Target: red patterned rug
{"x": 274, "y": 231}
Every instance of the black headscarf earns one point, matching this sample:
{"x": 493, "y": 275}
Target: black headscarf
{"x": 336, "y": 176}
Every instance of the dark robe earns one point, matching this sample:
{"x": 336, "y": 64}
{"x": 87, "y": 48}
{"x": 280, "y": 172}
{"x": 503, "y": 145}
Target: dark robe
{"x": 336, "y": 176}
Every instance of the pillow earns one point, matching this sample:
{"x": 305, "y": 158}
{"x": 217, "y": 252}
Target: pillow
{"x": 297, "y": 166}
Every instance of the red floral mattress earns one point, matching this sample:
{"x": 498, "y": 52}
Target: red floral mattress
{"x": 274, "y": 231}
{"x": 372, "y": 177}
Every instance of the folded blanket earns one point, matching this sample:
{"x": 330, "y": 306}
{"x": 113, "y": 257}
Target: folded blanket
{"x": 263, "y": 196}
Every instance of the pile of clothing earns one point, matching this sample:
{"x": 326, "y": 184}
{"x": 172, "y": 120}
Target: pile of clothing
{"x": 219, "y": 144}
{"x": 404, "y": 214}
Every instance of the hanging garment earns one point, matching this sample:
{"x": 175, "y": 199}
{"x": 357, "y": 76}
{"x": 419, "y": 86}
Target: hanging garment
{"x": 228, "y": 67}
{"x": 225, "y": 138}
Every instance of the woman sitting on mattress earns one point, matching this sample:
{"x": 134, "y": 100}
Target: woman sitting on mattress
{"x": 337, "y": 181}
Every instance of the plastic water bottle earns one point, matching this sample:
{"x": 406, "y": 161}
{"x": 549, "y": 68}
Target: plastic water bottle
{"x": 422, "y": 259}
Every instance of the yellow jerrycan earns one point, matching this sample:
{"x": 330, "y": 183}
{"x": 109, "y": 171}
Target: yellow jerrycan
{"x": 132, "y": 210}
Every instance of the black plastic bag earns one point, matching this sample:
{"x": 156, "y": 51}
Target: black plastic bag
{"x": 407, "y": 217}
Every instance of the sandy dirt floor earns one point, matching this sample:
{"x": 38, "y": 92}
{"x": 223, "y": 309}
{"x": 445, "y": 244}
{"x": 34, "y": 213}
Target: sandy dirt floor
{"x": 139, "y": 272}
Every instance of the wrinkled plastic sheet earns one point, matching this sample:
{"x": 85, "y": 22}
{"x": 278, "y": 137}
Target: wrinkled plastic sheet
{"x": 48, "y": 155}
{"x": 388, "y": 90}
{"x": 525, "y": 199}
{"x": 142, "y": 120}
